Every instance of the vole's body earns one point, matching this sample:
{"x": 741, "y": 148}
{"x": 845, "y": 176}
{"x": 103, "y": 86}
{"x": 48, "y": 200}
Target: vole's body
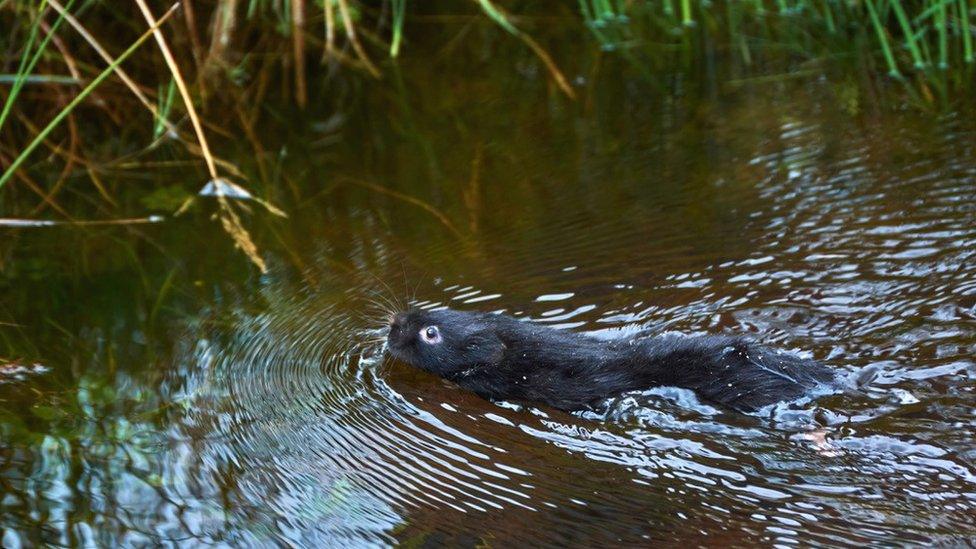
{"x": 500, "y": 357}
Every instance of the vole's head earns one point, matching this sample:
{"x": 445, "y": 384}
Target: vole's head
{"x": 445, "y": 342}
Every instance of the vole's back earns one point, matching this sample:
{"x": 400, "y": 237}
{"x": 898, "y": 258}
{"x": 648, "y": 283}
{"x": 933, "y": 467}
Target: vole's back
{"x": 730, "y": 371}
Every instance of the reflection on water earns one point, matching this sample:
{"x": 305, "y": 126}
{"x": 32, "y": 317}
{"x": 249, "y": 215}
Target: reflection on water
{"x": 270, "y": 415}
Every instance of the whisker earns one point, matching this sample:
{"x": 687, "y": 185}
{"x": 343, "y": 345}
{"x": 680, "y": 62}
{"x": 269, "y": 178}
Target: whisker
{"x": 383, "y": 304}
{"x": 376, "y": 306}
{"x": 394, "y": 303}
{"x": 371, "y": 310}
{"x": 390, "y": 301}
{"x": 413, "y": 296}
{"x": 406, "y": 289}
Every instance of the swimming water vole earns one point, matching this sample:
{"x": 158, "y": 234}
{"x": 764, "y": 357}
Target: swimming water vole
{"x": 502, "y": 358}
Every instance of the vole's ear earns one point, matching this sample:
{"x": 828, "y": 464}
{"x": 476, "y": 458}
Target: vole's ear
{"x": 483, "y": 348}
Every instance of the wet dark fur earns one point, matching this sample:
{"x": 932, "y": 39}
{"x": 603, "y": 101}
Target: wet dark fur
{"x": 502, "y": 358}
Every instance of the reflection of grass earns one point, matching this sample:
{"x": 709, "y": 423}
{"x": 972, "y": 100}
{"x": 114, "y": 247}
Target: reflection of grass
{"x": 408, "y": 199}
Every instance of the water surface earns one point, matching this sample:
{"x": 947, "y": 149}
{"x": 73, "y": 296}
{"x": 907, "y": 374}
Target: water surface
{"x": 155, "y": 388}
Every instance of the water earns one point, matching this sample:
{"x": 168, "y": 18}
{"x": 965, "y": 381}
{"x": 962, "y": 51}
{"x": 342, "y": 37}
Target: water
{"x": 155, "y": 389}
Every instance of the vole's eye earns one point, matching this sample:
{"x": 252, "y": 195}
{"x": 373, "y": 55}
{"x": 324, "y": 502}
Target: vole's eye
{"x": 430, "y": 334}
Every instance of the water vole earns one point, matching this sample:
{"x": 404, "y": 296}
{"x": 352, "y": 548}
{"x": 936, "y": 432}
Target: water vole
{"x": 502, "y": 358}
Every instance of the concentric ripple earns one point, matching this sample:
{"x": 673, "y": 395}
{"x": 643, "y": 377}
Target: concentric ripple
{"x": 287, "y": 409}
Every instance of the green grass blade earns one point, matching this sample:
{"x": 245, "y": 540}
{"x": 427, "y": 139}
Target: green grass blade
{"x": 967, "y": 39}
{"x": 40, "y": 137}
{"x": 164, "y": 108}
{"x": 940, "y": 23}
{"x": 829, "y": 18}
{"x": 592, "y": 21}
{"x": 24, "y": 76}
{"x": 399, "y": 12}
{"x": 498, "y": 16}
{"x": 883, "y": 39}
{"x": 23, "y": 69}
{"x": 585, "y": 10}
{"x": 63, "y": 79}
{"x": 906, "y": 27}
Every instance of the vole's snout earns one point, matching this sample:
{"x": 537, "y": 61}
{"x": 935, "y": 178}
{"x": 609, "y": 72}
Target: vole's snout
{"x": 396, "y": 324}
{"x": 397, "y": 319}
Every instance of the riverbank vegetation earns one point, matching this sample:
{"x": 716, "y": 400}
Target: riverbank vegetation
{"x": 91, "y": 90}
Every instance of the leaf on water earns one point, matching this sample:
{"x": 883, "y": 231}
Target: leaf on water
{"x": 223, "y": 188}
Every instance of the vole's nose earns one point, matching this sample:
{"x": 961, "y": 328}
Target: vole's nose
{"x": 396, "y": 324}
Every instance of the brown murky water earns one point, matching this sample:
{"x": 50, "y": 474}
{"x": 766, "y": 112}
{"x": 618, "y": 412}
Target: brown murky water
{"x": 185, "y": 399}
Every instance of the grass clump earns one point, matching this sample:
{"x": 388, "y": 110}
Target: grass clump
{"x": 917, "y": 35}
